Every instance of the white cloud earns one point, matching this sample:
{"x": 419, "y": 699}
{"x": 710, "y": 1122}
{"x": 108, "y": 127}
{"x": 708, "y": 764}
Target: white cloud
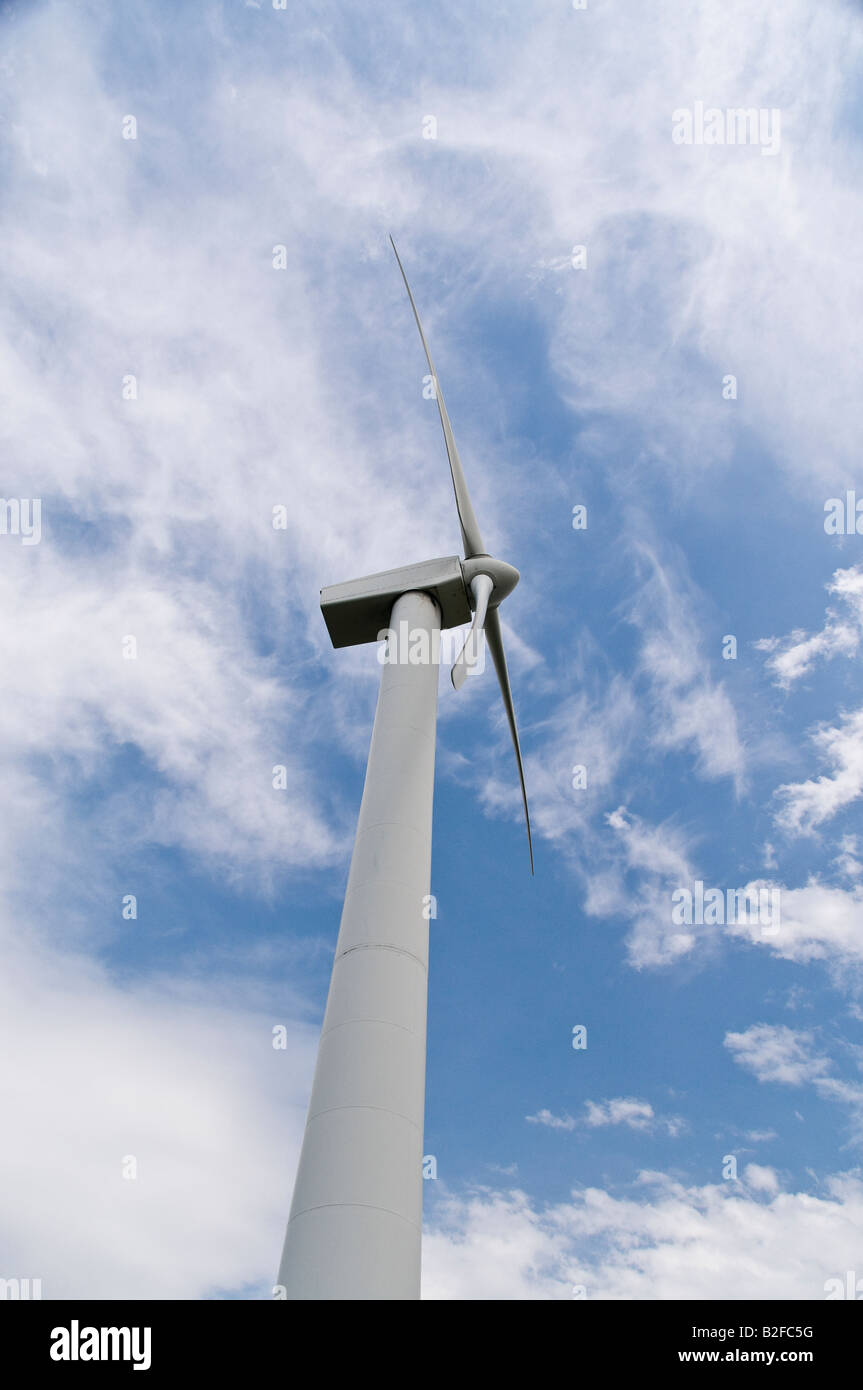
{"x": 847, "y": 861}
{"x": 632, "y": 1113}
{"x": 595, "y": 730}
{"x": 659, "y": 857}
{"x": 775, "y": 1053}
{"x": 651, "y": 847}
{"x": 550, "y": 1121}
{"x": 692, "y": 710}
{"x": 183, "y": 1079}
{"x": 209, "y": 718}
{"x": 635, "y": 1114}
{"x": 622, "y": 1110}
{"x": 808, "y": 804}
{"x": 720, "y": 1241}
{"x": 760, "y": 1178}
{"x": 840, "y": 635}
{"x": 816, "y": 922}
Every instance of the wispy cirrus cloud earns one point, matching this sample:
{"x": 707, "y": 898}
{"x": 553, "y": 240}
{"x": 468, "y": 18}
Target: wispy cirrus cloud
{"x": 692, "y": 710}
{"x": 658, "y": 858}
{"x": 792, "y": 657}
{"x": 776, "y": 1053}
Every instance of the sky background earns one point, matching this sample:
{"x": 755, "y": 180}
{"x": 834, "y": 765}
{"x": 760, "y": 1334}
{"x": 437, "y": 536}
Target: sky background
{"x": 599, "y": 1172}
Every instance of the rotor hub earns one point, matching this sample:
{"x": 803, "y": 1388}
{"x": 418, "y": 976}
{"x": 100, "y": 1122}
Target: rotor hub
{"x": 503, "y": 576}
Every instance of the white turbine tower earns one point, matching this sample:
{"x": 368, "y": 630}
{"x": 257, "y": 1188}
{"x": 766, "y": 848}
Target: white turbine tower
{"x": 355, "y": 1226}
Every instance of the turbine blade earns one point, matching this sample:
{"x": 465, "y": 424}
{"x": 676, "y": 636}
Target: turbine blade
{"x": 470, "y": 532}
{"x": 482, "y": 587}
{"x": 494, "y": 637}
{"x": 467, "y": 659}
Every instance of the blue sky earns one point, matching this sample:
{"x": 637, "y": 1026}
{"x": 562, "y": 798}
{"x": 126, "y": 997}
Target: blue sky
{"x": 256, "y": 387}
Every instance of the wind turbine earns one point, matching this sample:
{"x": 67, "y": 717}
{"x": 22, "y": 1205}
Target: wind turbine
{"x": 354, "y": 1230}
